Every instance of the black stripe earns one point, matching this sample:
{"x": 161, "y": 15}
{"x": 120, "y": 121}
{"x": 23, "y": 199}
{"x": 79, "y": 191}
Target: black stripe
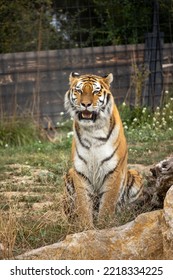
{"x": 89, "y": 79}
{"x": 71, "y": 99}
{"x": 122, "y": 200}
{"x": 80, "y": 157}
{"x": 69, "y": 96}
{"x": 132, "y": 196}
{"x": 105, "y": 139}
{"x": 109, "y": 173}
{"x": 114, "y": 169}
{"x": 79, "y": 138}
{"x": 87, "y": 141}
{"x": 108, "y": 98}
{"x": 82, "y": 175}
{"x": 107, "y": 101}
{"x": 128, "y": 187}
{"x": 108, "y": 158}
{"x": 102, "y": 101}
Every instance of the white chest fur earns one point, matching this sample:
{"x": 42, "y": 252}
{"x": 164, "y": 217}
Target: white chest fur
{"x": 95, "y": 155}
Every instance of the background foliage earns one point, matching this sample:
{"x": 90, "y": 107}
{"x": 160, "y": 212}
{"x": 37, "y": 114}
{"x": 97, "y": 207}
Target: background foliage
{"x": 54, "y": 24}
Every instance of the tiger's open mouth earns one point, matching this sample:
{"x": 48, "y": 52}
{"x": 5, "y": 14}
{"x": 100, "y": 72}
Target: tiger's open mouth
{"x": 87, "y": 115}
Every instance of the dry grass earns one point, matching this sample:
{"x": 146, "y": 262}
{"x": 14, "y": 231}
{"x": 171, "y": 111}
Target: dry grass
{"x": 8, "y": 232}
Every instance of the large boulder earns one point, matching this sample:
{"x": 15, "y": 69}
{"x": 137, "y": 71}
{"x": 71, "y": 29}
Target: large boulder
{"x": 167, "y": 228}
{"x": 139, "y": 239}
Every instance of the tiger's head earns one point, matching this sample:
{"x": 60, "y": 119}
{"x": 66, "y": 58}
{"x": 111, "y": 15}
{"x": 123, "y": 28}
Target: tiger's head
{"x": 89, "y": 98}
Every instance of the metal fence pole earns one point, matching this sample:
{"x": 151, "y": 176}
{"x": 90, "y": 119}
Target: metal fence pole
{"x": 153, "y": 61}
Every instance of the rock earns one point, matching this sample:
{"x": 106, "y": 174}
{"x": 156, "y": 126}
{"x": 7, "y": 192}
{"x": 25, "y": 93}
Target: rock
{"x": 139, "y": 239}
{"x": 167, "y": 228}
{"x": 2, "y": 249}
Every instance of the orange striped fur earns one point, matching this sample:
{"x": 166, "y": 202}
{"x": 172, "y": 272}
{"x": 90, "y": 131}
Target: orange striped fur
{"x": 99, "y": 179}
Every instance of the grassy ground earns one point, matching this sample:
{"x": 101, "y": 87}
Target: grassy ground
{"x": 31, "y": 190}
{"x": 31, "y": 184}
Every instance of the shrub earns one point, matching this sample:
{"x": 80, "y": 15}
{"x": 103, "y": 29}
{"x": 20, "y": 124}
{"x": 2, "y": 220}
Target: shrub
{"x": 18, "y": 132}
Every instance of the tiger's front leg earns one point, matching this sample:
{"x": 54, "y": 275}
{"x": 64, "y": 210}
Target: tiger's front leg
{"x": 121, "y": 189}
{"x": 110, "y": 197}
{"x": 78, "y": 202}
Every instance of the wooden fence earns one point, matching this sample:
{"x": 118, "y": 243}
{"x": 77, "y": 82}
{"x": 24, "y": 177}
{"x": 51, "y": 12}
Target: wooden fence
{"x": 35, "y": 82}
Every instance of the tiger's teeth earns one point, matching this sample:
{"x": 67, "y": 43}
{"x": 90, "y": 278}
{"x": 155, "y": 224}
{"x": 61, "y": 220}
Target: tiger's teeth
{"x": 86, "y": 116}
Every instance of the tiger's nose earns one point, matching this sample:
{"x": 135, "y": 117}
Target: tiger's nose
{"x": 86, "y": 105}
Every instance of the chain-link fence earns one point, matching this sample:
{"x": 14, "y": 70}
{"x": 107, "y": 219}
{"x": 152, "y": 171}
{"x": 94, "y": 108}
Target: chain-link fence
{"x": 131, "y": 39}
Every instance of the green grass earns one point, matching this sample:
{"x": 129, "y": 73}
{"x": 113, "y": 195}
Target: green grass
{"x": 150, "y": 151}
{"x": 18, "y": 131}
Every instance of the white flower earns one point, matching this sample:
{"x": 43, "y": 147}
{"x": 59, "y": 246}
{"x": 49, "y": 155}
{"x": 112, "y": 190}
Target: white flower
{"x": 123, "y": 104}
{"x": 166, "y": 91}
{"x": 61, "y": 113}
{"x": 170, "y": 129}
{"x": 125, "y": 127}
{"x": 135, "y": 119}
{"x": 70, "y": 134}
{"x": 6, "y": 145}
{"x": 157, "y": 113}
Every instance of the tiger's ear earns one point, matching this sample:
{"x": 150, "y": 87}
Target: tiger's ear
{"x": 109, "y": 78}
{"x": 73, "y": 75}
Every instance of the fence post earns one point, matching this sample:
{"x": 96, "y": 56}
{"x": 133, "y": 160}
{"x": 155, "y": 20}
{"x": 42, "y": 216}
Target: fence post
{"x": 153, "y": 54}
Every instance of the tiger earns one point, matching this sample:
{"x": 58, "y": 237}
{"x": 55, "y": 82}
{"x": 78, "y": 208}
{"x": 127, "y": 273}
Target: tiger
{"x": 99, "y": 180}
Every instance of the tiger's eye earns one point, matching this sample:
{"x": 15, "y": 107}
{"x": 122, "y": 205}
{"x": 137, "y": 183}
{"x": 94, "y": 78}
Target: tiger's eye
{"x": 78, "y": 90}
{"x": 96, "y": 91}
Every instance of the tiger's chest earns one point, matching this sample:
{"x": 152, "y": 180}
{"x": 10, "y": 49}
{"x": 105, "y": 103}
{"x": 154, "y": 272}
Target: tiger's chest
{"x": 95, "y": 156}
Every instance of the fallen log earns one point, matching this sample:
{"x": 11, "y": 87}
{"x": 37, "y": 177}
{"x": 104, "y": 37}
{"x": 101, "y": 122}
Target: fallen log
{"x": 156, "y": 185}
